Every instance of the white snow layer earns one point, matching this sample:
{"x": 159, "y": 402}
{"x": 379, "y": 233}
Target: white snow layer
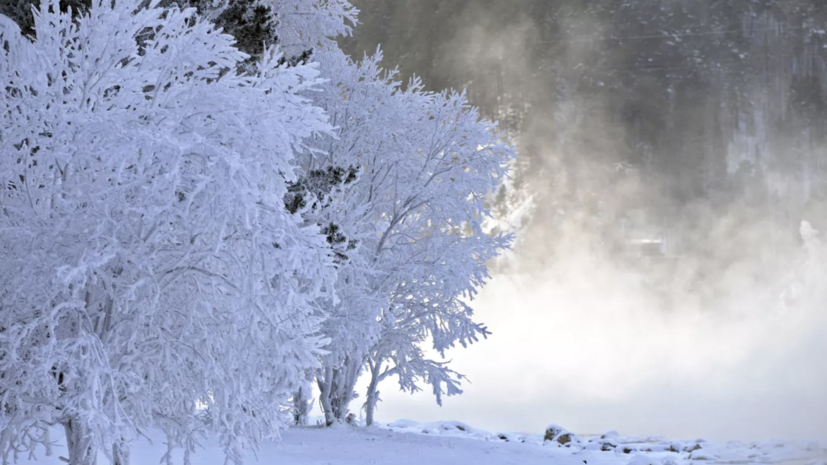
{"x": 407, "y": 442}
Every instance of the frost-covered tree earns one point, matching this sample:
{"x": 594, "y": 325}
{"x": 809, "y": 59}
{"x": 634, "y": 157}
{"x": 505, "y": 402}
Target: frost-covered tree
{"x": 335, "y": 193}
{"x": 311, "y": 24}
{"x": 20, "y": 11}
{"x": 298, "y": 26}
{"x": 400, "y": 354}
{"x": 151, "y": 274}
{"x": 424, "y": 163}
{"x": 440, "y": 247}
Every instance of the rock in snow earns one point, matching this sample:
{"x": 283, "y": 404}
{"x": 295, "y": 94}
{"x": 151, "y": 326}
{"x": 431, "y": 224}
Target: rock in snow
{"x": 552, "y": 431}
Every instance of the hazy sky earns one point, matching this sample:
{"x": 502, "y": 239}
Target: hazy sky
{"x": 586, "y": 352}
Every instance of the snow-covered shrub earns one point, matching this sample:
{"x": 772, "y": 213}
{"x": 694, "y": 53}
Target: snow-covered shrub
{"x": 410, "y": 224}
{"x": 151, "y": 275}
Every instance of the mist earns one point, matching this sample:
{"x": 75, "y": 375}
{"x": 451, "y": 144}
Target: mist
{"x": 659, "y": 283}
{"x": 582, "y": 351}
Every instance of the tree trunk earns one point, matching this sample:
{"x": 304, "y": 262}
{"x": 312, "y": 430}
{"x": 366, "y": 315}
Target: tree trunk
{"x": 373, "y": 394}
{"x": 302, "y": 402}
{"x": 337, "y": 389}
{"x": 325, "y": 387}
{"x": 82, "y": 450}
{"x": 120, "y": 453}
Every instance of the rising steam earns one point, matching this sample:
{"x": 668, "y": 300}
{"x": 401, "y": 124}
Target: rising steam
{"x": 715, "y": 329}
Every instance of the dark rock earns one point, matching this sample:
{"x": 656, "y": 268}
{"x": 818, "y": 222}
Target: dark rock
{"x": 552, "y": 431}
{"x": 564, "y": 438}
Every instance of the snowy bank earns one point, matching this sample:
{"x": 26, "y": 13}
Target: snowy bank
{"x": 408, "y": 442}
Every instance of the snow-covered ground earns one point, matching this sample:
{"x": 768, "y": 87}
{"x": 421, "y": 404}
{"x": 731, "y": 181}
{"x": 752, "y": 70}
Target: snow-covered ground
{"x": 453, "y": 443}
